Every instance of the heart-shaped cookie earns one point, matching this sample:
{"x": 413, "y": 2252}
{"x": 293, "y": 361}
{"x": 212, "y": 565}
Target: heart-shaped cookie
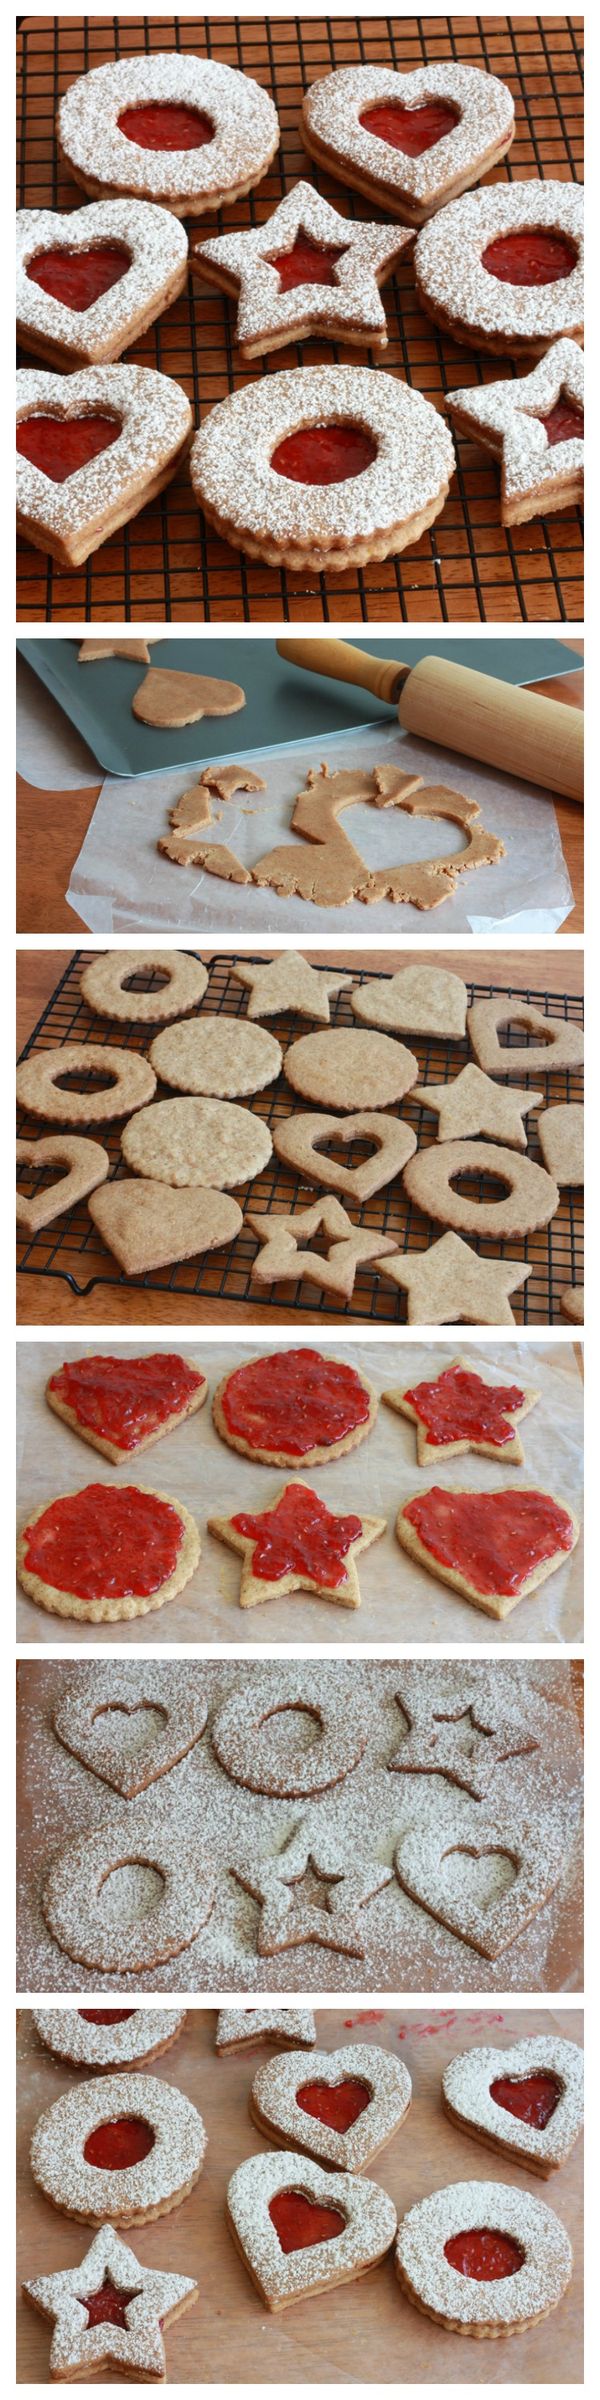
{"x": 147, "y": 1225}
{"x": 342, "y": 2108}
{"x": 85, "y": 1165}
{"x": 412, "y": 142}
{"x": 92, "y": 448}
{"x": 168, "y": 698}
{"x": 91, "y": 281}
{"x": 96, "y": 1722}
{"x": 299, "y": 1140}
{"x": 486, "y": 1881}
{"x": 122, "y": 1405}
{"x": 525, "y": 2100}
{"x": 559, "y": 1043}
{"x": 301, "y": 2229}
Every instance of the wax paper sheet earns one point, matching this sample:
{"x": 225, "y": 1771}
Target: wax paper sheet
{"x": 51, "y": 753}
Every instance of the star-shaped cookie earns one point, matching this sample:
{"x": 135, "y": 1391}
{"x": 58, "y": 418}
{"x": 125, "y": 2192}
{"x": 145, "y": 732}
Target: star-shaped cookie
{"x": 296, "y": 1544}
{"x": 460, "y": 1409}
{"x": 306, "y": 271}
{"x": 89, "y": 652}
{"x": 466, "y": 1743}
{"x": 246, "y": 2028}
{"x": 448, "y": 1284}
{"x": 289, "y": 982}
{"x": 471, "y": 1104}
{"x": 311, "y": 1893}
{"x": 283, "y": 1259}
{"x": 109, "y": 2312}
{"x": 534, "y": 425}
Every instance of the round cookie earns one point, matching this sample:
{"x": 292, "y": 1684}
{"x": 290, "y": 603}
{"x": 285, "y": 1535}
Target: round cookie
{"x": 531, "y": 1197}
{"x": 217, "y": 1056}
{"x": 294, "y": 1408}
{"x": 463, "y": 267}
{"x": 168, "y": 126}
{"x": 108, "y": 2038}
{"x": 86, "y": 2159}
{"x": 132, "y": 1083}
{"x": 163, "y": 1897}
{"x": 483, "y": 2259}
{"x": 349, "y": 1070}
{"x": 107, "y": 1552}
{"x": 183, "y": 1142}
{"x": 104, "y": 983}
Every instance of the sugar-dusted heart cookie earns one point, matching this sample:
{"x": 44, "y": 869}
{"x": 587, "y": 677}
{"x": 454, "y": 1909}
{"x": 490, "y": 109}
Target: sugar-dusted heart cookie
{"x": 168, "y": 698}
{"x": 483, "y": 2259}
{"x": 491, "y": 1547}
{"x": 131, "y": 1724}
{"x": 81, "y": 1165}
{"x": 342, "y": 2109}
{"x": 410, "y": 142}
{"x": 92, "y": 449}
{"x": 486, "y": 1882}
{"x": 301, "y": 2229}
{"x": 90, "y": 281}
{"x": 525, "y": 2099}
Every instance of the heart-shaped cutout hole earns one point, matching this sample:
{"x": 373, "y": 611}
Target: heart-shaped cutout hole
{"x": 335, "y": 2104}
{"x": 79, "y": 277}
{"x": 122, "y": 2142}
{"x": 395, "y": 837}
{"x": 411, "y": 130}
{"x": 300, "y": 2223}
{"x": 60, "y": 446}
{"x": 138, "y": 1725}
{"x": 532, "y": 2098}
{"x": 482, "y": 1877}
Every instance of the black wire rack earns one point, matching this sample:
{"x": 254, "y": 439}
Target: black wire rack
{"x": 167, "y": 565}
{"x": 71, "y": 1248}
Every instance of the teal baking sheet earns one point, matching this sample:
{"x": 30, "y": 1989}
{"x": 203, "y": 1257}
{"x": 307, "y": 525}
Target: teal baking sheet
{"x": 282, "y": 705}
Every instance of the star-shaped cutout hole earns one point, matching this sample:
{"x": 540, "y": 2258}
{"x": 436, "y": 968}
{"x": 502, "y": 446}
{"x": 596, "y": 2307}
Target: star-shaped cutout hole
{"x": 463, "y": 1744}
{"x": 311, "y": 1893}
{"x": 563, "y": 422}
{"x": 307, "y": 262}
{"x": 342, "y": 1248}
{"x": 108, "y": 2306}
{"x": 306, "y": 271}
{"x": 297, "y": 1544}
{"x": 448, "y": 1284}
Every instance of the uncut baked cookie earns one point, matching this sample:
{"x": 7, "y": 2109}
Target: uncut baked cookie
{"x": 350, "y": 1070}
{"x": 107, "y": 983}
{"x": 503, "y": 268}
{"x": 217, "y": 1056}
{"x": 410, "y": 142}
{"x": 147, "y": 1225}
{"x": 124, "y": 1404}
{"x": 461, "y": 1410}
{"x": 294, "y": 1408}
{"x": 343, "y": 2109}
{"x": 524, "y": 2100}
{"x": 109, "y": 2311}
{"x": 92, "y": 450}
{"x": 322, "y": 467}
{"x": 126, "y": 2147}
{"x": 108, "y": 1552}
{"x": 425, "y": 1000}
{"x": 184, "y": 1142}
{"x": 483, "y": 2259}
{"x": 302, "y": 2229}
{"x": 491, "y": 1547}
{"x": 90, "y": 282}
{"x": 108, "y": 2038}
{"x": 168, "y": 126}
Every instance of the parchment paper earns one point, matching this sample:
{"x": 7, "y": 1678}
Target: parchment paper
{"x": 51, "y": 754}
{"x": 363, "y": 2332}
{"x": 400, "y": 1602}
{"x": 121, "y": 884}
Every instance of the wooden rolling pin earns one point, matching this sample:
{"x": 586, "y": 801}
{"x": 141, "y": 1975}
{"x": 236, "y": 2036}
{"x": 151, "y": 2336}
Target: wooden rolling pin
{"x": 502, "y": 724}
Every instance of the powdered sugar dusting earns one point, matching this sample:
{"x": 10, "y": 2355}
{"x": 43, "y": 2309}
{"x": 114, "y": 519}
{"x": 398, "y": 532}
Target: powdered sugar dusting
{"x": 151, "y": 2298}
{"x": 451, "y": 276}
{"x": 165, "y": 1893}
{"x": 276, "y": 2085}
{"x": 230, "y": 456}
{"x": 246, "y": 126}
{"x": 333, "y": 108}
{"x": 157, "y": 245}
{"x": 512, "y": 410}
{"x": 370, "y": 2224}
{"x": 70, "y": 2035}
{"x": 155, "y": 419}
{"x": 58, "y": 2163}
{"x": 464, "y": 2207}
{"x": 466, "y": 2084}
{"x": 243, "y": 1732}
{"x": 352, "y": 302}
{"x": 238, "y": 2026}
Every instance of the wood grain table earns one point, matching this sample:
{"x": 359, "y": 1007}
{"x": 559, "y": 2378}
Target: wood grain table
{"x": 362, "y": 2332}
{"x": 51, "y": 827}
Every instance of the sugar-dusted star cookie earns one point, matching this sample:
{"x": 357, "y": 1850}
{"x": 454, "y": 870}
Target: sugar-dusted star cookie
{"x": 461, "y": 1410}
{"x": 89, "y": 652}
{"x": 289, "y": 982}
{"x": 306, "y": 271}
{"x": 466, "y": 1736}
{"x": 473, "y": 1104}
{"x": 247, "y": 2028}
{"x": 534, "y": 425}
{"x": 285, "y": 1256}
{"x": 311, "y": 1892}
{"x": 449, "y": 1285}
{"x": 109, "y": 2312}
{"x": 296, "y": 1544}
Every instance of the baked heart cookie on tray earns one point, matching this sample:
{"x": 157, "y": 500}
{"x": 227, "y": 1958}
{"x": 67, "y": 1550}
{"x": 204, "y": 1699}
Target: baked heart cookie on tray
{"x": 525, "y": 2100}
{"x": 124, "y": 2147}
{"x": 108, "y": 2038}
{"x": 410, "y": 142}
{"x": 493, "y": 1548}
{"x": 342, "y": 2109}
{"x": 483, "y": 2259}
{"x": 459, "y": 1410}
{"x": 294, "y": 1408}
{"x": 107, "y": 1552}
{"x": 122, "y": 1405}
{"x": 301, "y": 2229}
{"x": 90, "y": 282}
{"x": 92, "y": 450}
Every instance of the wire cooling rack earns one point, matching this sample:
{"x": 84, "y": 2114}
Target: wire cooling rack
{"x": 167, "y": 565}
{"x": 72, "y": 1248}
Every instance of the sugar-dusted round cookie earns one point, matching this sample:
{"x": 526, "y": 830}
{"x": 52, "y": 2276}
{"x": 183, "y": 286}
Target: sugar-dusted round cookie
{"x": 126, "y": 2148}
{"x": 184, "y": 1142}
{"x": 169, "y": 126}
{"x": 350, "y": 1070}
{"x": 108, "y": 1552}
{"x": 243, "y": 1736}
{"x": 483, "y": 2259}
{"x": 294, "y": 1408}
{"x": 155, "y": 1905}
{"x": 217, "y": 1056}
{"x": 411, "y": 142}
{"x": 44, "y": 1083}
{"x": 108, "y": 985}
{"x": 91, "y": 280}
{"x": 108, "y": 2039}
{"x": 503, "y": 268}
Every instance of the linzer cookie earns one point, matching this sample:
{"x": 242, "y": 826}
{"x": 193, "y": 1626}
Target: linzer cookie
{"x": 530, "y": 1197}
{"x": 108, "y": 984}
{"x": 128, "y": 2148}
{"x": 108, "y": 2038}
{"x": 109, "y": 1552}
{"x": 122, "y": 1405}
{"x": 491, "y": 1547}
{"x": 184, "y": 1142}
{"x": 85, "y": 1165}
{"x": 322, "y": 467}
{"x": 343, "y": 2111}
{"x": 296, "y": 1544}
{"x": 301, "y": 2229}
{"x": 483, "y": 2259}
{"x": 125, "y": 2306}
{"x": 410, "y": 142}
{"x": 525, "y": 2100}
{"x": 131, "y": 1723}
{"x": 245, "y": 2028}
{"x": 242, "y": 1734}
{"x": 294, "y": 1408}
{"x": 461, "y": 1410}
{"x": 161, "y": 1900}
{"x": 447, "y": 1284}
{"x": 120, "y": 1080}
{"x": 168, "y": 126}
{"x": 92, "y": 450}
{"x": 217, "y": 1056}
{"x": 286, "y": 1256}
{"x": 503, "y": 268}
{"x": 90, "y": 282}
{"x": 534, "y": 427}
{"x": 305, "y": 271}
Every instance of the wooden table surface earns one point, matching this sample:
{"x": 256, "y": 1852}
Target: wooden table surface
{"x": 51, "y": 827}
{"x": 40, "y": 1301}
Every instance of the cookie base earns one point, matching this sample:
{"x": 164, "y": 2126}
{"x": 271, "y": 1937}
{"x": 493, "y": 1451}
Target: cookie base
{"x": 111, "y": 1450}
{"x": 106, "y": 1609}
{"x": 102, "y": 354}
{"x": 123, "y": 2217}
{"x": 280, "y": 2141}
{"x": 180, "y": 204}
{"x": 385, "y": 195}
{"x": 492, "y": 1604}
{"x": 474, "y": 2333}
{"x": 520, "y": 2158}
{"x": 317, "y": 1457}
{"x": 333, "y": 559}
{"x": 291, "y": 2299}
{"x": 499, "y": 345}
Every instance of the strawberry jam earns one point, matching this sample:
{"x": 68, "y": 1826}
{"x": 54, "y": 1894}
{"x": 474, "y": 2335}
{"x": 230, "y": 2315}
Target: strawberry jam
{"x": 564, "y": 422}
{"x": 107, "y": 1540}
{"x": 533, "y": 2098}
{"x": 121, "y": 2142}
{"x": 484, "y": 2256}
{"x": 307, "y": 262}
{"x": 324, "y": 454}
{"x": 108, "y": 2306}
{"x": 105, "y": 2016}
{"x": 126, "y": 1399}
{"x": 335, "y": 2104}
{"x": 59, "y": 446}
{"x": 494, "y": 1539}
{"x": 299, "y": 1537}
{"x": 294, "y": 1402}
{"x": 459, "y": 1406}
{"x": 79, "y": 277}
{"x": 530, "y": 257}
{"x": 300, "y": 2222}
{"x": 166, "y": 125}
{"x": 411, "y": 130}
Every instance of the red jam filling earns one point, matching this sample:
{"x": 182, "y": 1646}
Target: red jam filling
{"x": 458, "y": 1406}
{"x": 108, "y": 2306}
{"x": 121, "y": 2142}
{"x": 105, "y": 2016}
{"x": 300, "y": 2223}
{"x": 494, "y": 1539}
{"x": 105, "y": 1542}
{"x": 337, "y": 2104}
{"x": 78, "y": 277}
{"x": 411, "y": 130}
{"x": 530, "y": 257}
{"x": 59, "y": 446}
{"x": 564, "y": 422}
{"x": 308, "y": 262}
{"x": 324, "y": 454}
{"x": 125, "y": 1399}
{"x": 484, "y": 2256}
{"x": 300, "y": 1537}
{"x": 533, "y": 2098}
{"x": 166, "y": 125}
{"x": 294, "y": 1402}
